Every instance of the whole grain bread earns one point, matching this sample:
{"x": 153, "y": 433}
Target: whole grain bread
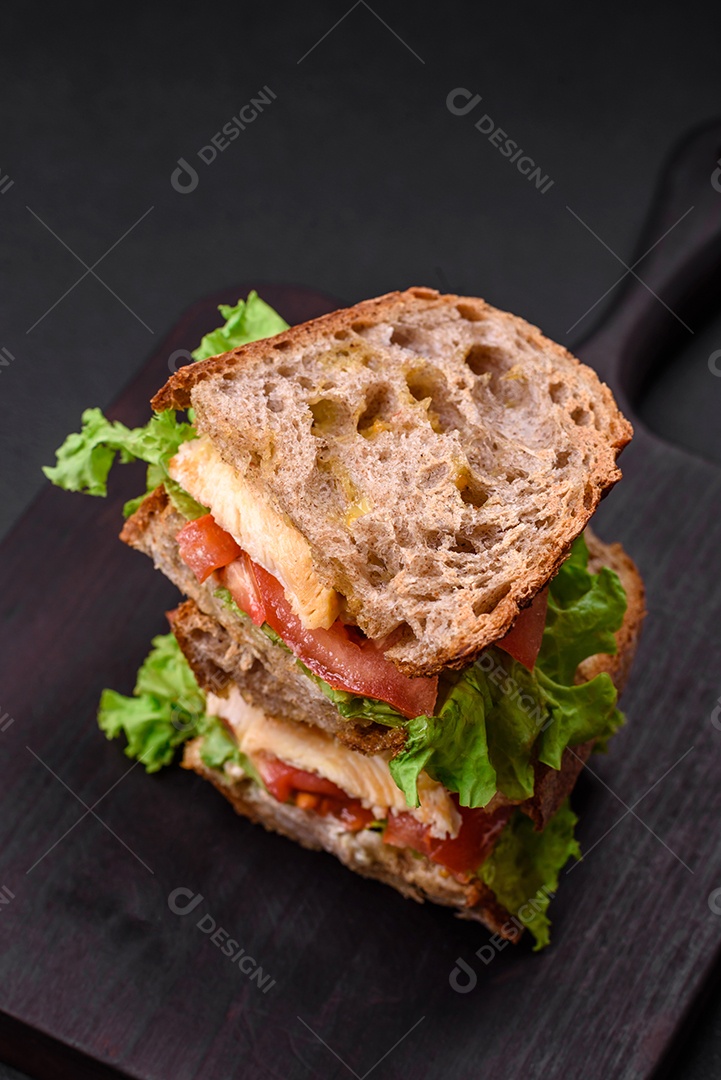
{"x": 439, "y": 456}
{"x": 219, "y": 659}
{"x": 411, "y": 875}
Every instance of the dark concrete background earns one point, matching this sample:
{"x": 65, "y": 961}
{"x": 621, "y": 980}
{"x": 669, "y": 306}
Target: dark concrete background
{"x": 356, "y": 179}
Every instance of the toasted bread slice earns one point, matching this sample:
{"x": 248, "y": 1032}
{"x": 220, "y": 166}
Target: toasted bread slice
{"x": 437, "y": 455}
{"x": 267, "y": 681}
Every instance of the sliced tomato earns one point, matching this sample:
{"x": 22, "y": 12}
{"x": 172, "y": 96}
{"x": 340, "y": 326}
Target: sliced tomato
{"x": 523, "y": 640}
{"x": 341, "y": 655}
{"x": 312, "y": 792}
{"x": 239, "y": 578}
{"x": 461, "y": 854}
{"x": 205, "y": 547}
{"x": 282, "y": 780}
{"x": 405, "y": 830}
{"x": 343, "y": 658}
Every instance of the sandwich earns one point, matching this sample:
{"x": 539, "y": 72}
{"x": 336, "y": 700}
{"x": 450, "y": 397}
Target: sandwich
{"x": 400, "y": 641}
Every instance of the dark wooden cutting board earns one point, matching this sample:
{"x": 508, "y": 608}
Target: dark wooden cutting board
{"x": 99, "y": 977}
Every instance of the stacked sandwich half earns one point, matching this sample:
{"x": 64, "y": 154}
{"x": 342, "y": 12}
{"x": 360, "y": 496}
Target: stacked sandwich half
{"x": 400, "y": 642}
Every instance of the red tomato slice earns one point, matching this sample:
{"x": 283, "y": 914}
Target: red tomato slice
{"x": 340, "y": 655}
{"x": 239, "y": 579}
{"x": 285, "y": 782}
{"x": 523, "y": 640}
{"x": 462, "y": 854}
{"x": 282, "y": 780}
{"x": 205, "y": 547}
{"x": 344, "y": 659}
{"x": 404, "y": 830}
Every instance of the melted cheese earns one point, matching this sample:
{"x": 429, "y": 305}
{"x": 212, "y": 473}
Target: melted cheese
{"x": 256, "y": 526}
{"x": 364, "y": 777}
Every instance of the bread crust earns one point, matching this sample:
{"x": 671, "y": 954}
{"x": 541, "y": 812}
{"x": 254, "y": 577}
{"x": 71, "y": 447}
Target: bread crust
{"x": 415, "y": 877}
{"x": 217, "y": 663}
{"x": 466, "y": 609}
{"x": 137, "y": 529}
{"x": 177, "y": 391}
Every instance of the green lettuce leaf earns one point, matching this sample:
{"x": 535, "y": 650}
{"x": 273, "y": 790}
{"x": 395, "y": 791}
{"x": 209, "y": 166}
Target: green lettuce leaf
{"x": 226, "y": 598}
{"x": 350, "y": 706}
{"x": 219, "y": 748}
{"x": 496, "y": 716}
{"x": 452, "y": 747}
{"x": 184, "y": 503}
{"x": 482, "y": 740}
{"x": 353, "y": 706}
{"x": 274, "y": 637}
{"x": 524, "y": 867}
{"x": 513, "y": 721}
{"x": 248, "y": 321}
{"x": 166, "y": 708}
{"x": 229, "y": 601}
{"x": 584, "y": 611}
{"x": 86, "y": 457}
{"x": 577, "y": 714}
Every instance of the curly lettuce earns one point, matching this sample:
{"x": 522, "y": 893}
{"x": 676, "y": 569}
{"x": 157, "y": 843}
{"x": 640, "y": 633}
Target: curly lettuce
{"x": 496, "y": 716}
{"x": 166, "y": 708}
{"x": 524, "y": 866}
{"x": 85, "y": 459}
{"x": 249, "y": 320}
{"x": 355, "y": 706}
{"x": 87, "y": 456}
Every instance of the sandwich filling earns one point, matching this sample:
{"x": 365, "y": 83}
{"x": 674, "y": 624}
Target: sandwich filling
{"x": 266, "y": 740}
{"x": 268, "y": 537}
{"x": 479, "y": 731}
{"x": 279, "y": 761}
{"x": 472, "y": 739}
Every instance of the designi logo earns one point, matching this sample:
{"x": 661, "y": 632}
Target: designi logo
{"x": 183, "y": 901}
{"x": 185, "y": 178}
{"x": 716, "y": 177}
